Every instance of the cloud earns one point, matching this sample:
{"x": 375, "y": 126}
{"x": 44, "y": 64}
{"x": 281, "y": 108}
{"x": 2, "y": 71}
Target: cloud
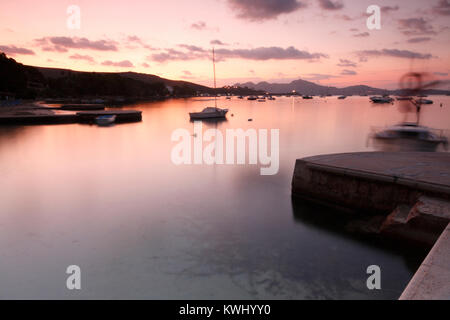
{"x": 145, "y": 65}
{"x": 330, "y": 5}
{"x": 218, "y": 43}
{"x": 177, "y": 55}
{"x": 318, "y": 77}
{"x": 13, "y": 50}
{"x": 361, "y": 35}
{"x": 261, "y": 53}
{"x": 191, "y": 48}
{"x": 347, "y": 72}
{"x": 187, "y": 73}
{"x": 61, "y": 44}
{"x": 387, "y": 9}
{"x": 419, "y": 39}
{"x": 442, "y": 8}
{"x": 122, "y": 64}
{"x": 267, "y": 53}
{"x": 82, "y": 57}
{"x": 416, "y": 26}
{"x": 199, "y": 25}
{"x": 395, "y": 53}
{"x": 346, "y": 63}
{"x": 259, "y": 10}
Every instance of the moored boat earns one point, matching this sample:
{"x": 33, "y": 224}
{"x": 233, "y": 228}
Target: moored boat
{"x": 209, "y": 113}
{"x": 384, "y": 99}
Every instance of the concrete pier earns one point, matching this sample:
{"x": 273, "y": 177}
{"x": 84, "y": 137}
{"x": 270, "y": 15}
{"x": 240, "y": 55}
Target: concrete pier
{"x": 409, "y": 191}
{"x": 121, "y": 115}
{"x": 79, "y": 107}
{"x": 373, "y": 182}
{"x": 41, "y": 115}
{"x": 432, "y": 280}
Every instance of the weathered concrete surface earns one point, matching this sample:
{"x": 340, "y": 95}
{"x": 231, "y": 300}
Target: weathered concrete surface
{"x": 432, "y": 280}
{"x": 423, "y": 223}
{"x": 373, "y": 182}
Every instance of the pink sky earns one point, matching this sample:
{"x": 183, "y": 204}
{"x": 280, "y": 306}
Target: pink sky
{"x": 262, "y": 40}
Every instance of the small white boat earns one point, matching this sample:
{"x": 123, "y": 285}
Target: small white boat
{"x": 209, "y": 113}
{"x": 105, "y": 120}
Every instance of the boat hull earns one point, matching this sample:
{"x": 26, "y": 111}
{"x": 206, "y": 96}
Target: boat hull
{"x": 208, "y": 115}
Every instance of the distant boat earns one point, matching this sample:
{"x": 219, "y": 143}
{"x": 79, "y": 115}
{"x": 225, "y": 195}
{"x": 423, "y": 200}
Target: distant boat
{"x": 307, "y": 97}
{"x": 342, "y": 97}
{"x": 261, "y": 100}
{"x": 240, "y": 97}
{"x": 105, "y": 120}
{"x": 271, "y": 98}
{"x": 210, "y": 112}
{"x": 424, "y": 101}
{"x": 385, "y": 99}
{"x": 228, "y": 98}
{"x": 252, "y": 98}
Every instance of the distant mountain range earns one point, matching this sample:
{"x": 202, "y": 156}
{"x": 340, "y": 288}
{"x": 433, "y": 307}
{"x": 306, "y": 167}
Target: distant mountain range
{"x": 30, "y": 82}
{"x": 27, "y": 82}
{"x": 304, "y": 87}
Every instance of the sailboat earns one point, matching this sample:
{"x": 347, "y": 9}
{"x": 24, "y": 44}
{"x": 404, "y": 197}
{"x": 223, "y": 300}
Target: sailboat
{"x": 210, "y": 112}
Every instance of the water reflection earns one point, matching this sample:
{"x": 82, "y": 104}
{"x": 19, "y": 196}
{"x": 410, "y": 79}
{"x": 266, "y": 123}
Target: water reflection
{"x": 111, "y": 200}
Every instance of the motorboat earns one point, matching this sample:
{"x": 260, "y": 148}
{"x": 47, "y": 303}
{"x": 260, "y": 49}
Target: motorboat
{"x": 307, "y": 97}
{"x": 411, "y": 131}
{"x": 252, "y": 98}
{"x": 342, "y": 97}
{"x": 209, "y": 113}
{"x": 105, "y": 120}
{"x": 384, "y": 99}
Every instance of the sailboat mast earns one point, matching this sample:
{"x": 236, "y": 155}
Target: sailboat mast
{"x": 214, "y": 67}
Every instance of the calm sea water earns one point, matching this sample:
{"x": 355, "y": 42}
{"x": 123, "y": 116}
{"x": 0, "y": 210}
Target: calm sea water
{"x": 111, "y": 201}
